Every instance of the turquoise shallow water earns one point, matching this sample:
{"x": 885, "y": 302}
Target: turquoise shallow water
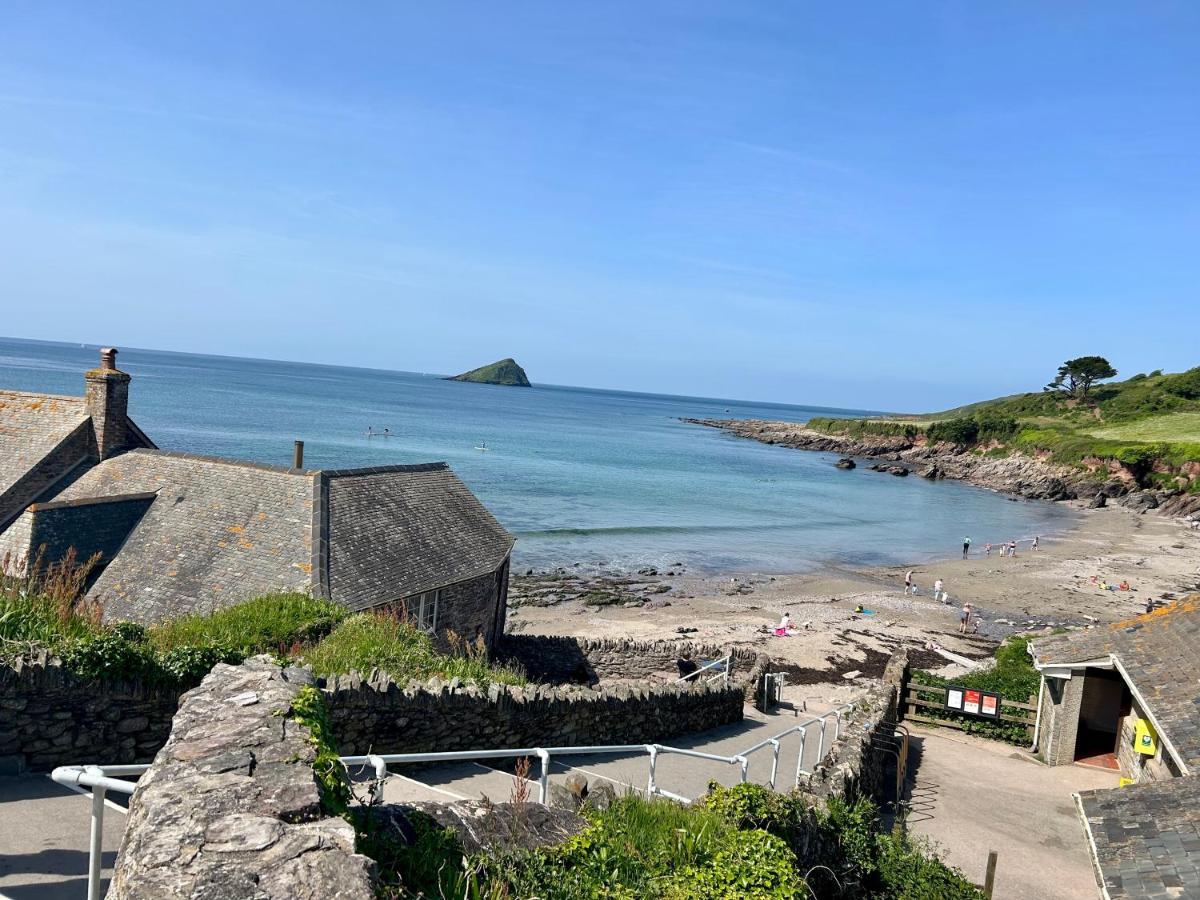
{"x": 603, "y": 478}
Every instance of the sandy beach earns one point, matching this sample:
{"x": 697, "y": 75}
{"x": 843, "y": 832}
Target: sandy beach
{"x": 1158, "y": 557}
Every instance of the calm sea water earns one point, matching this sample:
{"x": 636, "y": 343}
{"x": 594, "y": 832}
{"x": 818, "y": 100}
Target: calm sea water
{"x": 602, "y": 478}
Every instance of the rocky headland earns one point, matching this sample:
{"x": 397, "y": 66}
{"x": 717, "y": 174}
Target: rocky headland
{"x": 1034, "y": 478}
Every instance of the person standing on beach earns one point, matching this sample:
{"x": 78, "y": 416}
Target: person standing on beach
{"x": 939, "y": 590}
{"x": 965, "y": 619}
{"x": 1012, "y": 548}
{"x": 966, "y": 546}
{"x": 1036, "y": 538}
{"x": 909, "y": 587}
{"x": 987, "y": 549}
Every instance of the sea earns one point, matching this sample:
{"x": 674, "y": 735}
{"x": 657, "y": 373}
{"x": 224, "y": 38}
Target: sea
{"x": 596, "y": 479}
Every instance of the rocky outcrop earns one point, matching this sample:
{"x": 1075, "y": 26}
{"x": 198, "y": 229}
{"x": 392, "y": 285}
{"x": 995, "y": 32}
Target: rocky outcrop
{"x": 231, "y": 806}
{"x": 845, "y": 463}
{"x": 1015, "y": 473}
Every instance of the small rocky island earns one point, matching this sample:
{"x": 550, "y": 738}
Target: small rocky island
{"x": 506, "y": 372}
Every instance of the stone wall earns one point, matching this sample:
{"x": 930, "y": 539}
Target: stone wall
{"x": 378, "y": 715}
{"x": 49, "y": 717}
{"x": 231, "y": 806}
{"x": 563, "y": 660}
{"x": 1061, "y": 701}
{"x": 858, "y": 763}
{"x": 467, "y": 609}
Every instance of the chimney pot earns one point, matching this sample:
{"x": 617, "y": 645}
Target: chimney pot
{"x": 298, "y": 455}
{"x": 107, "y": 398}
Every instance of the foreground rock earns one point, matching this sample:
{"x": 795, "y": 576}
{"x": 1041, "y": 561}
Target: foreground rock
{"x": 231, "y": 808}
{"x": 481, "y": 825}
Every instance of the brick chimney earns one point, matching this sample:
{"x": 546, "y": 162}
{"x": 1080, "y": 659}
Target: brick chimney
{"x": 108, "y": 402}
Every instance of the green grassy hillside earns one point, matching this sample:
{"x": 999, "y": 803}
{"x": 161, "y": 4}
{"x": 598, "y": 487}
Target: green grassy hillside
{"x": 1148, "y": 423}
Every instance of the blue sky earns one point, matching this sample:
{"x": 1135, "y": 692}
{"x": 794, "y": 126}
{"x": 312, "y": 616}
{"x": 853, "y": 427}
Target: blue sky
{"x": 902, "y": 206}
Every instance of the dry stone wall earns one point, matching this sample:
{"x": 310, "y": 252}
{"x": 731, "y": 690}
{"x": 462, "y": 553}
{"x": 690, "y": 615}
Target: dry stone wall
{"x": 859, "y": 762}
{"x": 378, "y": 715}
{"x": 50, "y": 717}
{"x": 231, "y": 806}
{"x": 562, "y": 660}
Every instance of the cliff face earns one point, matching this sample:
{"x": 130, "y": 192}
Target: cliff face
{"x": 505, "y": 372}
{"x": 1014, "y": 473}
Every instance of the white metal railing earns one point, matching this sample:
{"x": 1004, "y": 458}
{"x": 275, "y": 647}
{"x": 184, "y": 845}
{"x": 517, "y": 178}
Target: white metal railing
{"x": 725, "y": 662}
{"x": 103, "y": 779}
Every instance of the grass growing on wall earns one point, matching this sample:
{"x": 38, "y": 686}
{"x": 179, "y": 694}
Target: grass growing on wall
{"x": 274, "y": 623}
{"x": 42, "y": 613}
{"x": 366, "y": 641}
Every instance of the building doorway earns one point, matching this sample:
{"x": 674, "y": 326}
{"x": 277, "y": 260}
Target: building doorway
{"x": 1106, "y": 701}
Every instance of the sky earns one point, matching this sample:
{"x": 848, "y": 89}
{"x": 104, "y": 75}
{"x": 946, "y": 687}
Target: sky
{"x": 882, "y": 205}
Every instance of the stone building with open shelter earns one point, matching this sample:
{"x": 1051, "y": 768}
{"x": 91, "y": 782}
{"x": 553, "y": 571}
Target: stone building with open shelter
{"x": 1127, "y": 696}
{"x": 175, "y": 533}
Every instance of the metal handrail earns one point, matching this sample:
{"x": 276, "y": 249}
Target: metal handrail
{"x": 102, "y": 779}
{"x": 726, "y": 660}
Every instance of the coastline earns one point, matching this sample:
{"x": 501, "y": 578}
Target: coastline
{"x": 1009, "y": 473}
{"x": 1031, "y": 593}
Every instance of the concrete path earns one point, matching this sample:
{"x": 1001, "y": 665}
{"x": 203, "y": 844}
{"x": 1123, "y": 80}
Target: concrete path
{"x": 44, "y": 832}
{"x": 972, "y": 795}
{"x": 44, "y": 827}
{"x": 683, "y": 775}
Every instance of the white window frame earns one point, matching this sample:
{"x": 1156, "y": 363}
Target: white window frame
{"x": 426, "y": 608}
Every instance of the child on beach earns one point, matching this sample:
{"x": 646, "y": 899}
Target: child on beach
{"x": 939, "y": 590}
{"x": 909, "y": 587}
{"x": 987, "y": 548}
{"x": 1036, "y": 538}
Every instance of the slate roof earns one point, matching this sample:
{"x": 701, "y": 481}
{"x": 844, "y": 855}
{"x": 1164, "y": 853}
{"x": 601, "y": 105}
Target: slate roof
{"x": 1160, "y": 651}
{"x": 1146, "y": 838}
{"x": 32, "y": 425}
{"x": 398, "y": 530}
{"x": 219, "y": 531}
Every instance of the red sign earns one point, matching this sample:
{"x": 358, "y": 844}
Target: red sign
{"x": 971, "y": 702}
{"x": 990, "y": 705}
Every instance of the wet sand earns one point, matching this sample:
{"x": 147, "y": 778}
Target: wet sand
{"x": 1032, "y": 592}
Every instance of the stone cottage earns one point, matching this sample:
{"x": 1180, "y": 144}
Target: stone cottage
{"x": 176, "y": 533}
{"x": 1127, "y": 696}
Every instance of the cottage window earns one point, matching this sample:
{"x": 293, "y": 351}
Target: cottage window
{"x": 426, "y": 607}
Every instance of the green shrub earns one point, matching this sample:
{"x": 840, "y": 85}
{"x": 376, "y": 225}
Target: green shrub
{"x": 189, "y": 665}
{"x": 1013, "y": 677}
{"x": 109, "y": 655}
{"x": 746, "y": 864}
{"x": 864, "y": 427}
{"x": 964, "y": 431}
